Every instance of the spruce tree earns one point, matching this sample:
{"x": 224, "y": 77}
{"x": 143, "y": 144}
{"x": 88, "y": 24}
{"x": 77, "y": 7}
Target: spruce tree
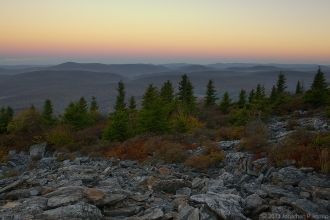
{"x": 319, "y": 82}
{"x": 260, "y": 92}
{"x": 273, "y": 94}
{"x": 318, "y": 95}
{"x": 299, "y": 88}
{"x": 281, "y": 84}
{"x": 153, "y": 117}
{"x": 118, "y": 128}
{"x": 210, "y": 97}
{"x": 47, "y": 113}
{"x": 251, "y": 96}
{"x": 82, "y": 105}
{"x": 242, "y": 99}
{"x": 76, "y": 114}
{"x": 167, "y": 92}
{"x": 94, "y": 107}
{"x": 225, "y": 103}
{"x": 132, "y": 103}
{"x": 9, "y": 113}
{"x": 120, "y": 101}
{"x": 6, "y": 116}
{"x": 186, "y": 94}
{"x": 94, "y": 110}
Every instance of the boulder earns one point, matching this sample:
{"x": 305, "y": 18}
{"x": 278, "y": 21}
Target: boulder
{"x": 288, "y": 176}
{"x": 94, "y": 195}
{"x": 274, "y": 191}
{"x": 226, "y": 206}
{"x": 65, "y": 196}
{"x": 171, "y": 186}
{"x": 122, "y": 212}
{"x": 199, "y": 182}
{"x": 77, "y": 211}
{"x": 185, "y": 191}
{"x": 227, "y": 178}
{"x": 253, "y": 201}
{"x": 152, "y": 214}
{"x": 37, "y": 151}
{"x": 111, "y": 199}
{"x": 305, "y": 207}
{"x": 188, "y": 213}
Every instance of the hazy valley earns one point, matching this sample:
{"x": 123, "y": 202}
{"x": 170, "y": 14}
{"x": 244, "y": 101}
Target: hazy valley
{"x": 21, "y": 86}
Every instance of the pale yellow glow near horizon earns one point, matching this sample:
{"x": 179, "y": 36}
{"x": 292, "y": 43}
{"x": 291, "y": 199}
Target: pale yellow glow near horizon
{"x": 280, "y": 30}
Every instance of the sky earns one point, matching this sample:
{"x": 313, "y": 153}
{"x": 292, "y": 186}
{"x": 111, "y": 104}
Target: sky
{"x": 164, "y": 31}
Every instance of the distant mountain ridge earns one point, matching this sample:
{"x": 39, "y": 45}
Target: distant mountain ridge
{"x": 68, "y": 81}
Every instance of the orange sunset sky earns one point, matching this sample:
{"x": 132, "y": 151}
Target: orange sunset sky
{"x": 163, "y": 31}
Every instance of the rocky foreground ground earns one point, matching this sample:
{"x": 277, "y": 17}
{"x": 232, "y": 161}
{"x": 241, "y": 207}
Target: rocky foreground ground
{"x": 96, "y": 188}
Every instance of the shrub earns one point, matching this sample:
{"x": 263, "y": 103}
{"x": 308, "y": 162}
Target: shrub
{"x": 132, "y": 149}
{"x": 324, "y": 161}
{"x": 211, "y": 158}
{"x": 306, "y": 148}
{"x": 90, "y": 135}
{"x": 292, "y": 124}
{"x": 212, "y": 117}
{"x": 19, "y": 141}
{"x": 28, "y": 121}
{"x": 327, "y": 111}
{"x": 142, "y": 148}
{"x": 230, "y": 133}
{"x": 184, "y": 123}
{"x": 239, "y": 117}
{"x": 60, "y": 136}
{"x": 165, "y": 150}
{"x": 255, "y": 136}
{"x": 3, "y": 154}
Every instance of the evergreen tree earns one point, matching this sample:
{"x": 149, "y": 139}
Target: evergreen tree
{"x": 47, "y": 113}
{"x": 225, "y": 103}
{"x": 9, "y": 113}
{"x": 120, "y": 101}
{"x": 260, "y": 92}
{"x": 281, "y": 84}
{"x": 132, "y": 103}
{"x": 167, "y": 92}
{"x": 242, "y": 99}
{"x": 150, "y": 97}
{"x": 210, "y": 97}
{"x": 94, "y": 110}
{"x": 319, "y": 82}
{"x": 82, "y": 105}
{"x": 251, "y": 96}
{"x": 94, "y": 107}
{"x": 118, "y": 126}
{"x": 186, "y": 94}
{"x": 153, "y": 117}
{"x": 299, "y": 88}
{"x": 318, "y": 95}
{"x": 6, "y": 116}
{"x": 273, "y": 94}
{"x": 77, "y": 115}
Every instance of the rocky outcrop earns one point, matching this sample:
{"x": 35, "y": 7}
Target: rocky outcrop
{"x": 98, "y": 188}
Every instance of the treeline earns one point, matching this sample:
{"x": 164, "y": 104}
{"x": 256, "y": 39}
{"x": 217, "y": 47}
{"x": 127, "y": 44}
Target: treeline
{"x": 165, "y": 111}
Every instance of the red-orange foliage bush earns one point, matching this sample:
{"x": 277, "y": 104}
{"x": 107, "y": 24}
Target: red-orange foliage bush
{"x": 306, "y": 148}
{"x": 212, "y": 156}
{"x": 143, "y": 148}
{"x": 230, "y": 133}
